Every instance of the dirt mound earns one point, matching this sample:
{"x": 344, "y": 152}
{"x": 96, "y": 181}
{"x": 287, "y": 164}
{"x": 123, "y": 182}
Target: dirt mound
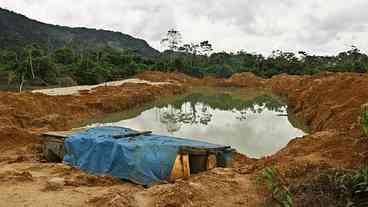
{"x": 182, "y": 194}
{"x": 82, "y": 179}
{"x": 218, "y": 187}
{"x": 326, "y": 149}
{"x": 13, "y": 136}
{"x": 283, "y": 83}
{"x": 244, "y": 80}
{"x": 156, "y": 76}
{"x": 114, "y": 198}
{"x": 14, "y": 176}
{"x": 25, "y": 113}
{"x": 326, "y": 101}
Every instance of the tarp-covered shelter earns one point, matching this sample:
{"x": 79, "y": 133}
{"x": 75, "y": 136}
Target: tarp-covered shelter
{"x": 144, "y": 159}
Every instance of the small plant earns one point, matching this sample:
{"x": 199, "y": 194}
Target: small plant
{"x": 360, "y": 180}
{"x": 340, "y": 185}
{"x": 333, "y": 187}
{"x": 277, "y": 185}
{"x": 364, "y": 119}
{"x": 360, "y": 187}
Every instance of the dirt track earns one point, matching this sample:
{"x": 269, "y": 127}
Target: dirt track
{"x": 328, "y": 103}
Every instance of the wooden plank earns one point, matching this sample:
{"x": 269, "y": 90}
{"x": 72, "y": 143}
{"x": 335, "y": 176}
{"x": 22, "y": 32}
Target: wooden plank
{"x": 186, "y": 167}
{"x": 133, "y": 134}
{"x": 66, "y": 134}
{"x": 202, "y": 150}
{"x": 181, "y": 167}
{"x": 211, "y": 161}
{"x": 60, "y": 134}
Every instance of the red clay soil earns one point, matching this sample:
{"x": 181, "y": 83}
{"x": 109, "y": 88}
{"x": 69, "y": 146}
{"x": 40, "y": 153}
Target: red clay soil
{"x": 157, "y": 76}
{"x": 326, "y": 101}
{"x": 329, "y": 104}
{"x": 25, "y": 113}
{"x": 244, "y": 80}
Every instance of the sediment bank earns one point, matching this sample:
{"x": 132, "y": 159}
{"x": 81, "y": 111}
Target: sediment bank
{"x": 328, "y": 103}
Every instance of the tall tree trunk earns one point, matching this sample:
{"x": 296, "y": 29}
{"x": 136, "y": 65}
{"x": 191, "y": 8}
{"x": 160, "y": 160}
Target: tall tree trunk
{"x": 21, "y": 82}
{"x": 31, "y": 65}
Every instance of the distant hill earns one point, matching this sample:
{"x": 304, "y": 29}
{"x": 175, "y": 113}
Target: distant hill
{"x": 17, "y": 30}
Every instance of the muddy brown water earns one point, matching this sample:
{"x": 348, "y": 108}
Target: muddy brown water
{"x": 254, "y": 122}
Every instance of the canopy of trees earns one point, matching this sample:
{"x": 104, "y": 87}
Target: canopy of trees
{"x": 90, "y": 66}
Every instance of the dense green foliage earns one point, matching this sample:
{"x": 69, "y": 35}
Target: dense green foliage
{"x": 17, "y": 31}
{"x": 225, "y": 64}
{"x": 87, "y": 67}
{"x": 49, "y": 54}
{"x": 104, "y": 64}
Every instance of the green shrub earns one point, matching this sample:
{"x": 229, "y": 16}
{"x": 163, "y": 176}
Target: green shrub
{"x": 360, "y": 181}
{"x": 332, "y": 187}
{"x": 276, "y": 184}
{"x": 365, "y": 118}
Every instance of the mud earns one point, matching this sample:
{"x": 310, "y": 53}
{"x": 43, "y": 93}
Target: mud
{"x": 329, "y": 104}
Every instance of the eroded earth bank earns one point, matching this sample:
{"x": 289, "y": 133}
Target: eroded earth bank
{"x": 329, "y": 104}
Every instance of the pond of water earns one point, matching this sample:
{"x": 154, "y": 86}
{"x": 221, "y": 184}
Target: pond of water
{"x": 256, "y": 123}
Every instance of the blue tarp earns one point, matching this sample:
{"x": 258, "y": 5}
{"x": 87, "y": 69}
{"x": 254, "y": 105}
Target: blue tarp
{"x": 143, "y": 159}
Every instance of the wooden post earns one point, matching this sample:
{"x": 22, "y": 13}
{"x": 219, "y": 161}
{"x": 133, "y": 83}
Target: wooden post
{"x": 211, "y": 161}
{"x": 181, "y": 167}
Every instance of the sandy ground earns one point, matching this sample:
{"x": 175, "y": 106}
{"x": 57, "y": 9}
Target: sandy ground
{"x": 75, "y": 90}
{"x": 31, "y": 184}
{"x": 328, "y": 103}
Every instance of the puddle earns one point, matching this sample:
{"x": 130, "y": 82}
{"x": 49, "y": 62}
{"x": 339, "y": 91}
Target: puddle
{"x": 256, "y": 123}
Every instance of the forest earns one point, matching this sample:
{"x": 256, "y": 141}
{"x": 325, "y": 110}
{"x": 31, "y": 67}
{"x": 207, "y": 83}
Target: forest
{"x": 70, "y": 65}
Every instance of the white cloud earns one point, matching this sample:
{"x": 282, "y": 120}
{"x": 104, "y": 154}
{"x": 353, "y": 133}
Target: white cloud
{"x": 316, "y": 26}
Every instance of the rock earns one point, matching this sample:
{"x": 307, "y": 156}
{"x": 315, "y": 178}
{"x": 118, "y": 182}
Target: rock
{"x": 54, "y": 184}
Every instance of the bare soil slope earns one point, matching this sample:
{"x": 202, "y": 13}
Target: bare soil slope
{"x": 328, "y": 103}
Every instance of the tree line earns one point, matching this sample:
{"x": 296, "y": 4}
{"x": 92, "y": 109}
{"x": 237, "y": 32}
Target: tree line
{"x": 71, "y": 65}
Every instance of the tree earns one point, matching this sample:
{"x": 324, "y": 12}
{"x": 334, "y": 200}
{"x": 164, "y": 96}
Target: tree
{"x": 19, "y": 72}
{"x": 191, "y": 50}
{"x": 206, "y": 47}
{"x": 29, "y": 51}
{"x": 64, "y": 56}
{"x": 172, "y": 41}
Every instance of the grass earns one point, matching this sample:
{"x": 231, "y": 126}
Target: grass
{"x": 343, "y": 188}
{"x": 360, "y": 187}
{"x": 364, "y": 115}
{"x": 277, "y": 186}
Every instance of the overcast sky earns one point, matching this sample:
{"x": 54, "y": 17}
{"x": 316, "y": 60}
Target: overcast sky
{"x": 315, "y": 26}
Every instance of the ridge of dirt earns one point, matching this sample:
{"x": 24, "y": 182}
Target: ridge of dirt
{"x": 24, "y": 114}
{"x": 328, "y": 103}
{"x": 157, "y": 76}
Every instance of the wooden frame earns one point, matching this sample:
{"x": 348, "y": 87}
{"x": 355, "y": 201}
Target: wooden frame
{"x": 182, "y": 165}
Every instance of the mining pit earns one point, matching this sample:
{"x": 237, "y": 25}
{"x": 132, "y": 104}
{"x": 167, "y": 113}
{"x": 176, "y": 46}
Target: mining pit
{"x": 328, "y": 104}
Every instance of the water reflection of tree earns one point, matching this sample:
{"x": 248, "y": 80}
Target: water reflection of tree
{"x": 198, "y": 108}
{"x": 189, "y": 113}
